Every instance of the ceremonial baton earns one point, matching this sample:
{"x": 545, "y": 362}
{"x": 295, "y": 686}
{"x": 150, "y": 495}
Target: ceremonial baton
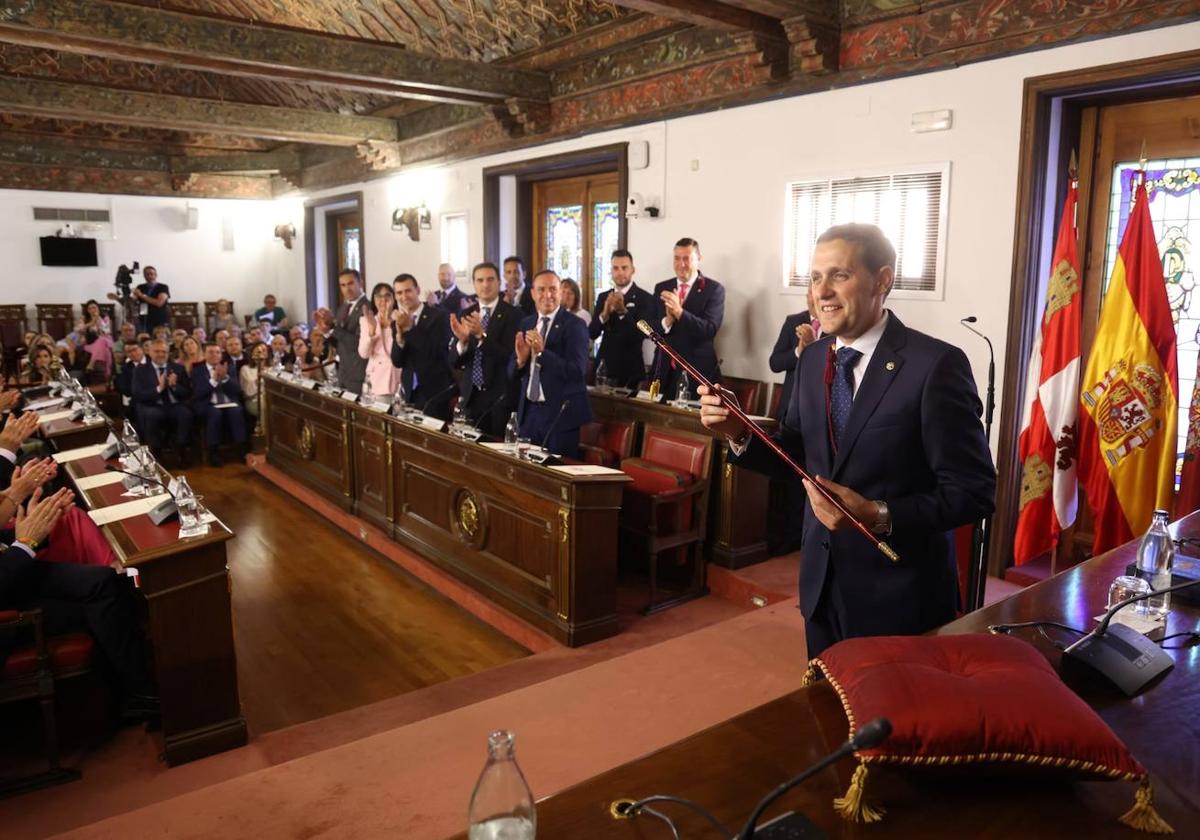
{"x": 731, "y": 403}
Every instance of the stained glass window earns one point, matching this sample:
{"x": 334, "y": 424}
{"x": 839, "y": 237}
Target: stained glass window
{"x": 1174, "y": 190}
{"x": 352, "y": 248}
{"x": 606, "y": 226}
{"x": 564, "y": 240}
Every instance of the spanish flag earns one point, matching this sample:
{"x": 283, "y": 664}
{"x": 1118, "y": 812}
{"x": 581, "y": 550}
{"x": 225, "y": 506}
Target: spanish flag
{"x": 1127, "y": 426}
{"x": 1046, "y": 447}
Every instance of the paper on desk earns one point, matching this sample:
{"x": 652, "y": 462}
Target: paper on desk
{"x": 76, "y": 454}
{"x": 585, "y": 469}
{"x": 51, "y": 416}
{"x": 491, "y": 445}
{"x": 126, "y": 510}
{"x": 42, "y": 405}
{"x": 90, "y": 482}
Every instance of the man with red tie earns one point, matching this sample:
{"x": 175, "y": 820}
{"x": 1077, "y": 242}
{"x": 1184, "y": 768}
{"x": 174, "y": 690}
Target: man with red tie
{"x": 689, "y": 310}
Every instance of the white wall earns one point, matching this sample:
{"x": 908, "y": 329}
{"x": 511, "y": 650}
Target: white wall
{"x": 232, "y": 254}
{"x": 733, "y": 202}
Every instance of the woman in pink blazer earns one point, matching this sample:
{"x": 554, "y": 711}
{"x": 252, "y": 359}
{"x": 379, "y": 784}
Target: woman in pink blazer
{"x": 375, "y": 342}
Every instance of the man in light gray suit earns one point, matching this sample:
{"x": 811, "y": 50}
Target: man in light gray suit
{"x": 343, "y": 329}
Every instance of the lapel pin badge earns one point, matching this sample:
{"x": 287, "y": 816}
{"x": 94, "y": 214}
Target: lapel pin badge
{"x": 890, "y": 366}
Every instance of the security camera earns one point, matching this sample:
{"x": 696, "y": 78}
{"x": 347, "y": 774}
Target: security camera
{"x": 633, "y": 206}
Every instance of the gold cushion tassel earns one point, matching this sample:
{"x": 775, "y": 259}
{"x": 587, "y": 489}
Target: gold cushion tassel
{"x": 853, "y": 806}
{"x": 810, "y": 676}
{"x": 1142, "y": 815}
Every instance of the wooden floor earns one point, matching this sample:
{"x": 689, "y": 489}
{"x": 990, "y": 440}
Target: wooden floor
{"x": 323, "y": 624}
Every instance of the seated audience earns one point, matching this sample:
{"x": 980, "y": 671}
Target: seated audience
{"x": 222, "y": 319}
{"x": 176, "y": 346}
{"x": 200, "y": 335}
{"x": 221, "y": 338}
{"x": 161, "y": 393}
{"x": 217, "y": 401}
{"x": 234, "y": 356}
{"x": 96, "y": 329}
{"x": 272, "y": 313}
{"x": 162, "y": 331}
{"x": 40, "y": 370}
{"x": 190, "y": 354}
{"x": 261, "y": 334}
{"x": 279, "y": 350}
{"x": 375, "y": 342}
{"x": 134, "y": 358}
{"x": 571, "y": 297}
{"x": 249, "y": 377}
{"x": 126, "y": 336}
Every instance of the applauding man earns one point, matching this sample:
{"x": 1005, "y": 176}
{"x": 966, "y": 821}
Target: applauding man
{"x": 420, "y": 335}
{"x": 551, "y": 358}
{"x": 482, "y": 347}
{"x": 618, "y": 311}
{"x": 691, "y": 308}
{"x": 217, "y": 401}
{"x": 161, "y": 393}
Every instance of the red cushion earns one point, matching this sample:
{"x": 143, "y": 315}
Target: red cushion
{"x": 685, "y": 454}
{"x": 68, "y": 651}
{"x": 971, "y": 698}
{"x": 651, "y": 478}
{"x": 596, "y": 455}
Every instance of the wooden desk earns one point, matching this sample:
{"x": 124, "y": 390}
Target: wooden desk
{"x": 538, "y": 542}
{"x": 729, "y": 767}
{"x": 64, "y": 434}
{"x": 186, "y": 585}
{"x": 737, "y": 520}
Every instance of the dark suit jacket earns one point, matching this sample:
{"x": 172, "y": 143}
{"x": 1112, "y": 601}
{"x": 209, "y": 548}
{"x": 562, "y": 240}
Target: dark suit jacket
{"x": 452, "y": 302}
{"x": 424, "y": 354}
{"x": 913, "y": 440}
{"x": 145, "y": 385}
{"x": 351, "y": 368}
{"x": 497, "y": 349}
{"x": 202, "y": 388}
{"x": 525, "y": 302}
{"x": 125, "y": 377}
{"x": 621, "y": 345}
{"x": 564, "y": 370}
{"x": 784, "y": 358}
{"x": 692, "y": 336}
{"x": 235, "y": 368}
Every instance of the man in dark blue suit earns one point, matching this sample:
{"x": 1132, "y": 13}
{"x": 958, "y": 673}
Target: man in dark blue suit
{"x": 516, "y": 290}
{"x": 887, "y": 419}
{"x": 551, "y": 358}
{"x": 796, "y": 333}
{"x": 689, "y": 310}
{"x": 484, "y": 336}
{"x": 420, "y": 335}
{"x": 618, "y": 311}
{"x": 161, "y": 393}
{"x": 217, "y": 401}
{"x": 448, "y": 296}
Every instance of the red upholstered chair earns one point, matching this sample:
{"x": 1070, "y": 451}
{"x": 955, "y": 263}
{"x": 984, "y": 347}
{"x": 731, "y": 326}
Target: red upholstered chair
{"x": 747, "y": 392}
{"x": 183, "y": 315}
{"x": 605, "y": 443}
{"x": 31, "y": 672}
{"x": 665, "y": 511}
{"x": 773, "y": 400}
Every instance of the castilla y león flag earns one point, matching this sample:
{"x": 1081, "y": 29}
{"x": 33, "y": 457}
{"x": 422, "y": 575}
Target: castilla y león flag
{"x": 1130, "y": 392}
{"x": 1046, "y": 447}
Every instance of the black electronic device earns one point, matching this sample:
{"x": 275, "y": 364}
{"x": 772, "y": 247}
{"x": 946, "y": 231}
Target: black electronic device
{"x": 790, "y": 826}
{"x": 68, "y": 251}
{"x": 1119, "y": 655}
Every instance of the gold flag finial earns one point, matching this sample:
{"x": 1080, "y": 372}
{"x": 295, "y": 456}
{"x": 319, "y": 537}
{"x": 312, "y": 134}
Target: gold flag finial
{"x": 1073, "y": 166}
{"x": 1142, "y": 158}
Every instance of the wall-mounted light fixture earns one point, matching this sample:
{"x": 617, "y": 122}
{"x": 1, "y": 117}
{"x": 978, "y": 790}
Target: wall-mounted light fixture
{"x": 409, "y": 218}
{"x": 286, "y": 232}
{"x": 925, "y": 121}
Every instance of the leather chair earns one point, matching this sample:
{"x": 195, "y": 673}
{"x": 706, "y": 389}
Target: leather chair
{"x": 773, "y": 400}
{"x": 183, "y": 316}
{"x": 665, "y": 512}
{"x": 605, "y": 443}
{"x": 56, "y": 319}
{"x": 747, "y": 392}
{"x": 13, "y": 326}
{"x": 31, "y": 672}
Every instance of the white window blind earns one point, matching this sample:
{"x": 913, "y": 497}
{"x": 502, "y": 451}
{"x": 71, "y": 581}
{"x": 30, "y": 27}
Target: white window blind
{"x": 454, "y": 243}
{"x": 910, "y": 208}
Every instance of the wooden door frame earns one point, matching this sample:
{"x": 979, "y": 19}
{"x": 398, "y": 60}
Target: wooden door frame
{"x": 537, "y": 241}
{"x": 593, "y": 161}
{"x": 1050, "y": 129}
{"x": 310, "y": 242}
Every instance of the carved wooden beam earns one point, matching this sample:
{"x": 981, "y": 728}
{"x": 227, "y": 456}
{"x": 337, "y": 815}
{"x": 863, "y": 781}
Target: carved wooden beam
{"x": 710, "y": 13}
{"x": 815, "y": 36}
{"x": 39, "y": 152}
{"x": 273, "y": 162}
{"x": 83, "y": 102}
{"x": 139, "y": 33}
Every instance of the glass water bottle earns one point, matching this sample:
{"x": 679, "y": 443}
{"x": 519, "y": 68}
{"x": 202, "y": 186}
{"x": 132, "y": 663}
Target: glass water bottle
{"x": 1155, "y": 555}
{"x": 501, "y": 804}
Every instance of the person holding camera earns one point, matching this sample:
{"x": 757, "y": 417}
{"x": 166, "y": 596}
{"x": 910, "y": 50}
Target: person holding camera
{"x": 151, "y": 297}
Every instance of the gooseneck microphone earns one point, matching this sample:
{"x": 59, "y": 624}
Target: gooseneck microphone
{"x": 1119, "y": 654}
{"x": 164, "y": 510}
{"x": 554, "y": 425}
{"x": 981, "y": 532}
{"x": 870, "y": 735}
